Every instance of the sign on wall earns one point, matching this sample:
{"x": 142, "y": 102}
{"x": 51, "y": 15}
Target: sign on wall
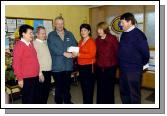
{"x": 12, "y": 25}
{"x": 116, "y": 25}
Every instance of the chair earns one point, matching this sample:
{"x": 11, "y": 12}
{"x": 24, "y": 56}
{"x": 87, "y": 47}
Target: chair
{"x": 74, "y": 76}
{"x": 11, "y": 88}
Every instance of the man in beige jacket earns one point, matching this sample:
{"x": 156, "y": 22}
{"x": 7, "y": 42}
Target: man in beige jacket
{"x": 45, "y": 62}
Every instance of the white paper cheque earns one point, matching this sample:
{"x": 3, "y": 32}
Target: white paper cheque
{"x": 73, "y": 49}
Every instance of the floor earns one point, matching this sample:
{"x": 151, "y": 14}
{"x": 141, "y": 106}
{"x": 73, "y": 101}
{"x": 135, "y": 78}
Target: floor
{"x": 147, "y": 95}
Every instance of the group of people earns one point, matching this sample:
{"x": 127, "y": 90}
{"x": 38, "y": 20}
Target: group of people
{"x": 34, "y": 61}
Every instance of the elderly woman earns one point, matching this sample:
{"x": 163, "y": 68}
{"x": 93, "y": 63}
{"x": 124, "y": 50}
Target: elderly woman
{"x": 26, "y": 65}
{"x": 106, "y": 60}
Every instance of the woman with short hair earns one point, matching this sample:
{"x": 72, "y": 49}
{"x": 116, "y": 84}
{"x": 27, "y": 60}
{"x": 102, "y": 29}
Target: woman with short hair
{"x": 26, "y": 65}
{"x": 86, "y": 61}
{"x": 106, "y": 61}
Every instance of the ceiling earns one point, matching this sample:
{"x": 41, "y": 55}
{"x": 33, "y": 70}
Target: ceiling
{"x": 92, "y": 6}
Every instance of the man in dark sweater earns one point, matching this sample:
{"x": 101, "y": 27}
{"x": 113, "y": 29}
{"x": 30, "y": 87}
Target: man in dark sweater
{"x": 133, "y": 54}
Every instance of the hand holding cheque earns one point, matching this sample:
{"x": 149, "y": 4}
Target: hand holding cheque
{"x": 74, "y": 51}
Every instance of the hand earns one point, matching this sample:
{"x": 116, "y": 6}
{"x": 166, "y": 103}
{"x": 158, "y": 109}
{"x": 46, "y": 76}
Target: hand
{"x": 41, "y": 78}
{"x": 74, "y": 54}
{"x": 67, "y": 54}
{"x": 20, "y": 83}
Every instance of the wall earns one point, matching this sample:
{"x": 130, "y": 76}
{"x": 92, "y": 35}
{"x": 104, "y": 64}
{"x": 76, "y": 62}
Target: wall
{"x": 102, "y": 13}
{"x": 74, "y": 15}
{"x": 96, "y": 15}
{"x": 150, "y": 25}
{"x": 106, "y": 11}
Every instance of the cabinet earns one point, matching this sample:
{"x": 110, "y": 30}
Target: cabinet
{"x": 148, "y": 79}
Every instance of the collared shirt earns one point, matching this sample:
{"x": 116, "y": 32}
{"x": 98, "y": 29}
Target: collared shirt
{"x": 41, "y": 41}
{"x": 130, "y": 29}
{"x": 61, "y": 35}
{"x": 24, "y": 41}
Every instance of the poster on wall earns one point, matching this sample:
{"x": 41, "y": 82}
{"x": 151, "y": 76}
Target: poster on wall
{"x": 37, "y": 23}
{"x": 48, "y": 25}
{"x": 6, "y": 28}
{"x": 20, "y": 22}
{"x": 29, "y": 22}
{"x": 11, "y": 25}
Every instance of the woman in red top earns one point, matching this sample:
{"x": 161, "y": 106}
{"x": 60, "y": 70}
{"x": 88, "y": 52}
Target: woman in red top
{"x": 86, "y": 60}
{"x": 106, "y": 60}
{"x": 26, "y": 65}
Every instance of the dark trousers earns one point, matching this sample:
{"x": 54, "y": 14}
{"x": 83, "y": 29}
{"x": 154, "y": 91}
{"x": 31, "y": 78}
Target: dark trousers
{"x": 30, "y": 90}
{"x": 105, "y": 85}
{"x": 130, "y": 87}
{"x": 87, "y": 81}
{"x": 62, "y": 87}
{"x": 44, "y": 88}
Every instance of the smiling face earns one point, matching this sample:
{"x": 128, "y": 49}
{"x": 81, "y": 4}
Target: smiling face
{"x": 59, "y": 24}
{"x": 28, "y": 35}
{"x": 100, "y": 32}
{"x": 41, "y": 34}
{"x": 127, "y": 20}
{"x": 126, "y": 24}
{"x": 85, "y": 33}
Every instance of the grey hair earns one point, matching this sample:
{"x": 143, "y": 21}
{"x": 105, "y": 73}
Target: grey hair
{"x": 59, "y": 17}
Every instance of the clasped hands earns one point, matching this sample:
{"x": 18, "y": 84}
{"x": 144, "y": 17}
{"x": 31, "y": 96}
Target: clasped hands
{"x": 70, "y": 54}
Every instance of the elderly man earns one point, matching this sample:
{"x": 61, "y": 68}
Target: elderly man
{"x": 45, "y": 62}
